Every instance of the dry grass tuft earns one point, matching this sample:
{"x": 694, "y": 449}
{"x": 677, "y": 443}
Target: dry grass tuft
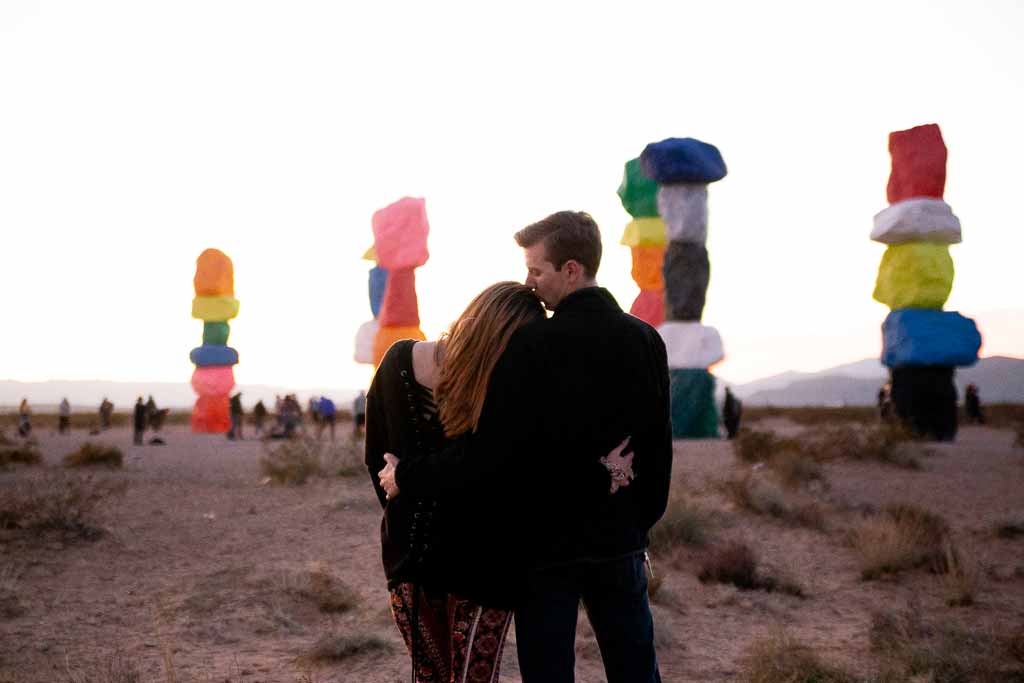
{"x": 781, "y": 659}
{"x": 752, "y": 445}
{"x": 23, "y": 454}
{"x": 756, "y": 494}
{"x": 814, "y": 415}
{"x": 911, "y": 651}
{"x": 1010, "y": 529}
{"x": 10, "y": 589}
{"x": 682, "y": 524}
{"x": 114, "y": 669}
{"x": 796, "y": 469}
{"x": 901, "y": 537}
{"x": 960, "y": 578}
{"x": 330, "y": 593}
{"x": 336, "y": 647}
{"x": 734, "y": 563}
{"x": 56, "y": 502}
{"x": 294, "y": 462}
{"x": 889, "y": 443}
{"x": 94, "y": 455}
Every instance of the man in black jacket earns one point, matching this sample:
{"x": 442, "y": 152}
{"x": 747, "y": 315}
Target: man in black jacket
{"x": 567, "y": 391}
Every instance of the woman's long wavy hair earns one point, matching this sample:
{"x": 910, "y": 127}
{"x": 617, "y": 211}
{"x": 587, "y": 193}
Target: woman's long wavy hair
{"x": 471, "y": 348}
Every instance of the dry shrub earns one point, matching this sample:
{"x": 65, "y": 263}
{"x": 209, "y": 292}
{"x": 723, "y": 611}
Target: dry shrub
{"x": 756, "y": 494}
{"x": 889, "y": 443}
{"x": 682, "y": 524}
{"x": 734, "y": 563}
{"x": 901, "y": 537}
{"x": 23, "y": 454}
{"x": 56, "y": 501}
{"x": 10, "y": 588}
{"x": 1010, "y": 529}
{"x": 796, "y": 469}
{"x": 912, "y": 651}
{"x": 960, "y": 578}
{"x": 94, "y": 455}
{"x": 335, "y": 647}
{"x": 814, "y": 415}
{"x": 292, "y": 463}
{"x": 779, "y": 658}
{"x": 329, "y": 592}
{"x": 114, "y": 669}
{"x": 752, "y": 445}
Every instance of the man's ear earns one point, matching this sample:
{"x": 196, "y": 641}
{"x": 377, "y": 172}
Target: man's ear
{"x": 574, "y": 270}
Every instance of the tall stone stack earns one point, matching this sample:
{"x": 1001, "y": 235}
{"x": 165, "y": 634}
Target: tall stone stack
{"x": 665, "y": 190}
{"x": 212, "y": 380}
{"x": 646, "y": 238}
{"x": 921, "y": 343}
{"x": 399, "y": 247}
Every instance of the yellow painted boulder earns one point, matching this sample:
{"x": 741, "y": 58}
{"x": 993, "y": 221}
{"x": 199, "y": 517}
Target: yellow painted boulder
{"x": 915, "y": 275}
{"x": 645, "y": 232}
{"x": 214, "y": 309}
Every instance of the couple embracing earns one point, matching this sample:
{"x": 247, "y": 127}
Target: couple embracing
{"x": 521, "y": 461}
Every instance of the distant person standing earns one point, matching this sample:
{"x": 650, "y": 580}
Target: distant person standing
{"x": 237, "y": 414}
{"x": 106, "y": 411}
{"x": 732, "y": 411}
{"x": 328, "y": 416}
{"x": 358, "y": 415}
{"x": 885, "y": 402}
{"x": 24, "y": 419}
{"x": 259, "y": 414}
{"x": 64, "y": 416}
{"x": 139, "y": 420}
{"x": 972, "y": 405}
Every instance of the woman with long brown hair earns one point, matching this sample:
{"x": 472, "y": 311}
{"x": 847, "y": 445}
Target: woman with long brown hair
{"x": 423, "y": 394}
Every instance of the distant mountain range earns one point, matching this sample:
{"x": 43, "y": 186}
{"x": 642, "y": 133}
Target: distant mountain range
{"x": 999, "y": 379}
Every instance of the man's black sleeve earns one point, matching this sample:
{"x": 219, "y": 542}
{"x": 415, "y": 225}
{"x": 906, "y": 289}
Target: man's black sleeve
{"x": 376, "y": 439}
{"x": 653, "y": 458}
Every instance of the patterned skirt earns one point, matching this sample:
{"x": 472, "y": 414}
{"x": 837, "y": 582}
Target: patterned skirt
{"x": 457, "y": 641}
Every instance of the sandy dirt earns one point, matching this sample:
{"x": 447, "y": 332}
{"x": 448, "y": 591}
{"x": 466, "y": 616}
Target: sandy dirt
{"x": 200, "y": 562}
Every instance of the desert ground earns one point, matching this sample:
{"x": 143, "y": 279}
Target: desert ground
{"x": 190, "y": 564}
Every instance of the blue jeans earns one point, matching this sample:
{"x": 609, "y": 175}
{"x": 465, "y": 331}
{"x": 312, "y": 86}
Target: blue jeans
{"x": 614, "y": 593}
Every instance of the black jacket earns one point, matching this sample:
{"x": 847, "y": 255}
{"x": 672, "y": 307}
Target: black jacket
{"x": 566, "y": 391}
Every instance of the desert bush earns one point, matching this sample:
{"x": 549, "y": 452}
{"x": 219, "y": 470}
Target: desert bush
{"x": 889, "y": 443}
{"x": 56, "y": 502}
{"x": 757, "y": 495}
{"x": 318, "y": 585}
{"x": 115, "y": 668}
{"x": 779, "y": 658}
{"x": 813, "y": 415}
{"x": 1010, "y": 529}
{"x": 95, "y": 455}
{"x": 960, "y": 578}
{"x": 335, "y": 647}
{"x": 682, "y": 524}
{"x": 900, "y": 537}
{"x": 10, "y": 589}
{"x": 795, "y": 469}
{"x": 752, "y": 445}
{"x": 912, "y": 651}
{"x": 22, "y": 454}
{"x": 294, "y": 462}
{"x": 734, "y": 563}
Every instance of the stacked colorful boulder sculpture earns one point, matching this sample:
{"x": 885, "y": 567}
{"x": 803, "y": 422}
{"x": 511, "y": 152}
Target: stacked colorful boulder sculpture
{"x": 215, "y": 304}
{"x": 921, "y": 344}
{"x": 399, "y": 247}
{"x": 665, "y": 190}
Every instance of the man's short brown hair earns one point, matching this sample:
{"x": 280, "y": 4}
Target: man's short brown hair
{"x": 567, "y": 235}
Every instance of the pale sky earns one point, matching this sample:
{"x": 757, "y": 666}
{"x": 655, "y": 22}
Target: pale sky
{"x": 135, "y": 134}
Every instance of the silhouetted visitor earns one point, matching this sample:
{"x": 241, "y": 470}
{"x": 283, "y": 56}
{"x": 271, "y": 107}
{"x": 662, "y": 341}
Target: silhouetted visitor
{"x": 236, "y": 417}
{"x": 328, "y": 415}
{"x": 358, "y": 414}
{"x": 259, "y": 414}
{"x": 884, "y": 402}
{"x": 972, "y": 405}
{"x": 64, "y": 416}
{"x": 139, "y": 420}
{"x": 106, "y": 411}
{"x": 24, "y": 419}
{"x": 732, "y": 411}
